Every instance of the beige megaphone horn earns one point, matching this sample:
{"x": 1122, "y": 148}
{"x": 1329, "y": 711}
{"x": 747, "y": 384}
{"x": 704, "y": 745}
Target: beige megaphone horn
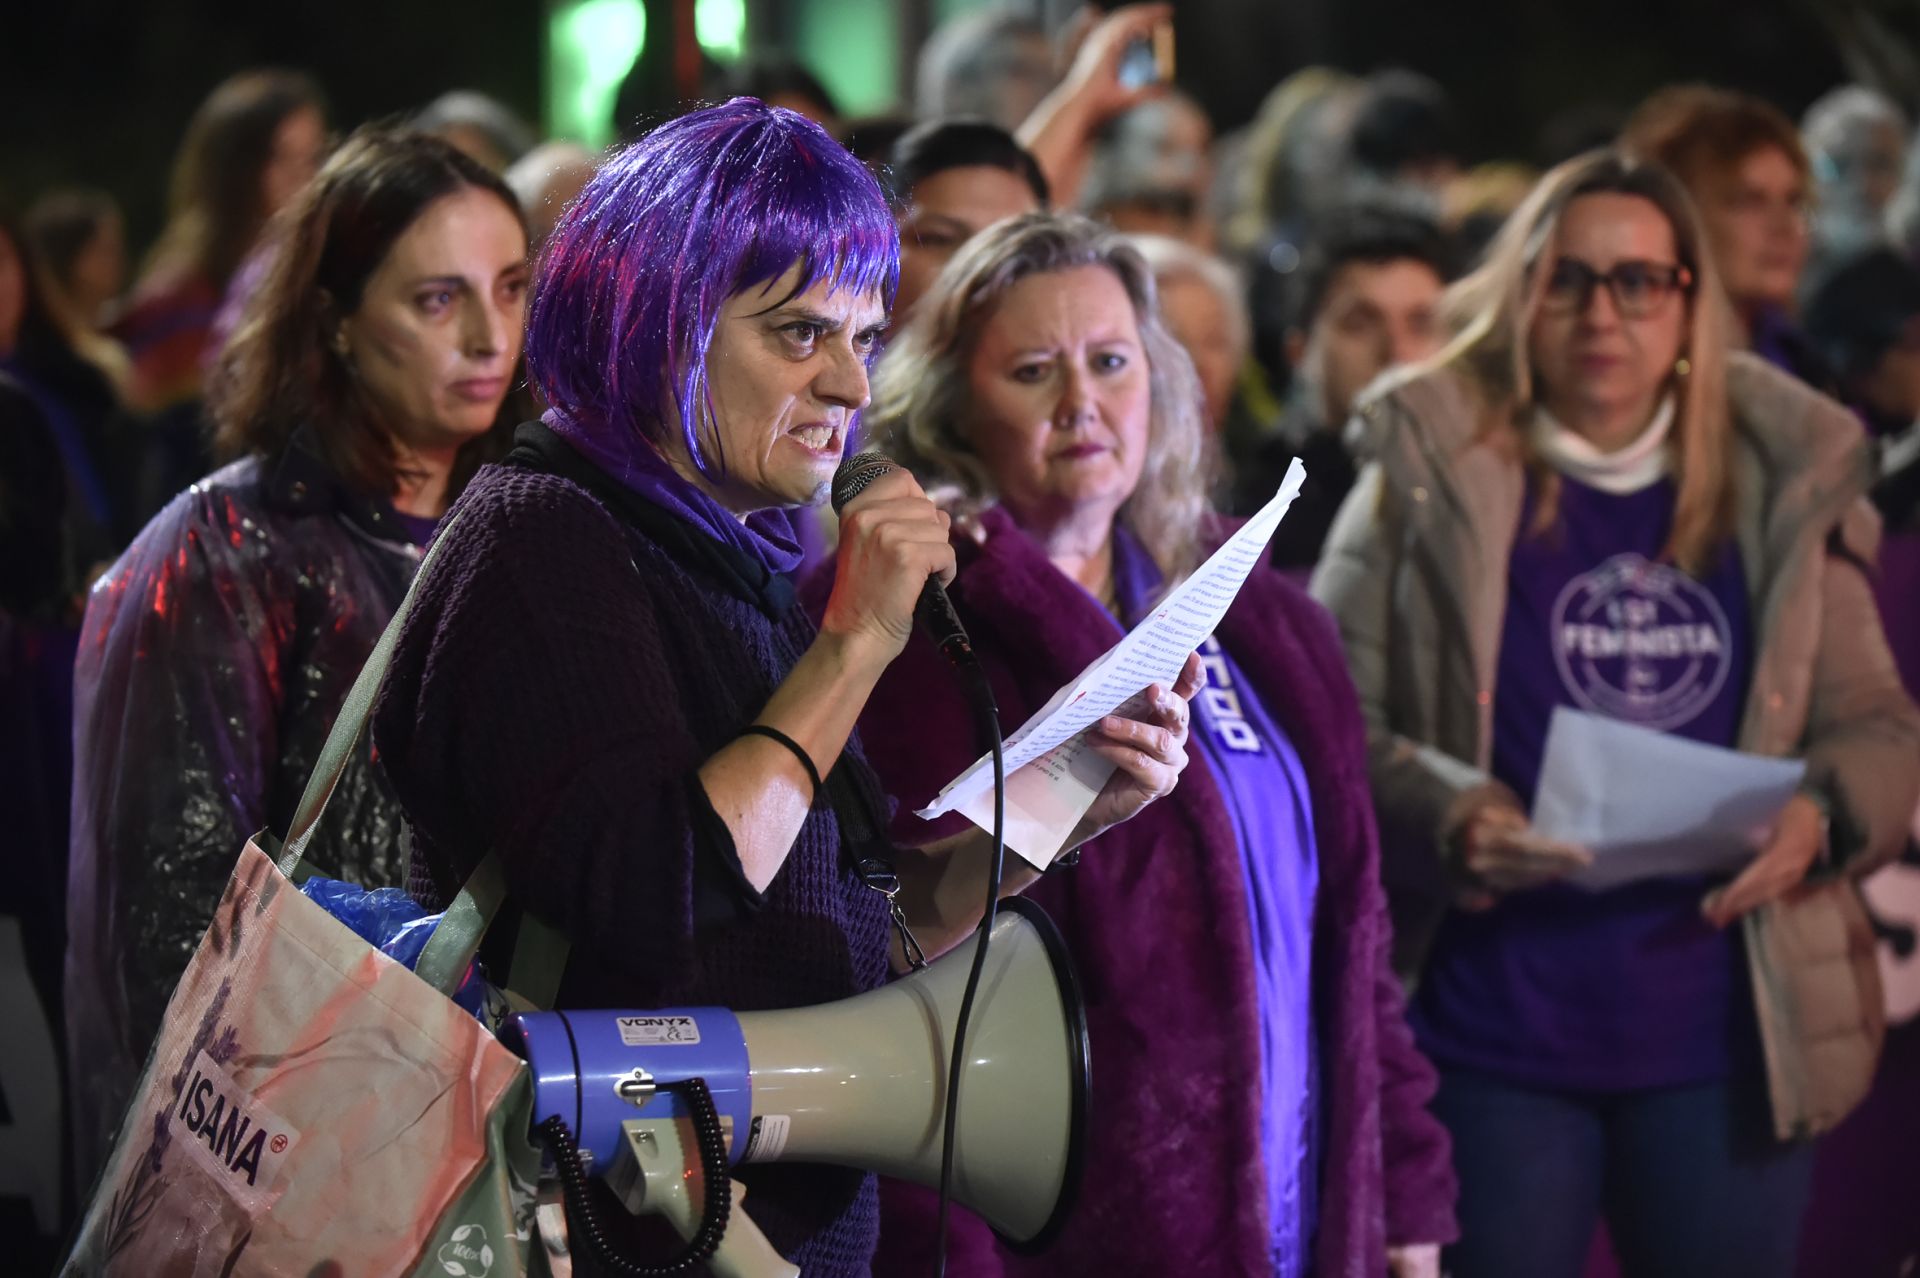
{"x": 858, "y": 1083}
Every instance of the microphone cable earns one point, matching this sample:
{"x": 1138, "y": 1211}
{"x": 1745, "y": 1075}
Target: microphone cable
{"x": 936, "y": 615}
{"x": 987, "y": 725}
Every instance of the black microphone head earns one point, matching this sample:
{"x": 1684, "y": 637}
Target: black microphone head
{"x": 856, "y": 473}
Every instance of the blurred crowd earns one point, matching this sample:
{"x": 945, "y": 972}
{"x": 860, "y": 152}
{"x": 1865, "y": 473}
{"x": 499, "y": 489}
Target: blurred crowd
{"x": 1298, "y": 260}
{"x": 1298, "y": 256}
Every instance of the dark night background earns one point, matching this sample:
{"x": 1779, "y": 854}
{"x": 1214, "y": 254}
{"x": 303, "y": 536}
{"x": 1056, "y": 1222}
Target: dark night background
{"x": 96, "y": 92}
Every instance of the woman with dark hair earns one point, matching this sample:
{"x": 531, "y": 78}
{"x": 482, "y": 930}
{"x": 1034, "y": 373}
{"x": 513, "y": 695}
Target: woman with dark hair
{"x": 255, "y": 141}
{"x": 1588, "y": 501}
{"x": 82, "y": 237}
{"x": 949, "y": 180}
{"x": 364, "y": 384}
{"x": 610, "y": 686}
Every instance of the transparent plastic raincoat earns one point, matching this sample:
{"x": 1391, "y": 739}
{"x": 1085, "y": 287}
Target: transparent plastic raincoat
{"x": 213, "y": 659}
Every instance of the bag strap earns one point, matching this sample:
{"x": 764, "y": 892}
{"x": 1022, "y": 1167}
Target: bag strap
{"x": 456, "y": 938}
{"x": 540, "y": 953}
{"x": 351, "y": 721}
{"x": 539, "y": 961}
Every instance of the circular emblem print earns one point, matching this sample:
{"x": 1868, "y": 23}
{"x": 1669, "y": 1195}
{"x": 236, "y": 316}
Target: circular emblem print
{"x": 466, "y": 1253}
{"x": 1642, "y": 642}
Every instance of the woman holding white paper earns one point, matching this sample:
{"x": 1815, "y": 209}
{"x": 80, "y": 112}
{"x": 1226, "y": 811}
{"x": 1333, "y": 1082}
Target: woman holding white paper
{"x": 1258, "y": 1104}
{"x": 1587, "y": 500}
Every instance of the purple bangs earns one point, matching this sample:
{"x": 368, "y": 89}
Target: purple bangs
{"x": 706, "y": 206}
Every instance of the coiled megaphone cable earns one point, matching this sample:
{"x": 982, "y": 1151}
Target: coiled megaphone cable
{"x": 583, "y": 1218}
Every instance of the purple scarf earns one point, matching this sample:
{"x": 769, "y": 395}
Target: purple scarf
{"x": 1265, "y": 791}
{"x": 766, "y": 536}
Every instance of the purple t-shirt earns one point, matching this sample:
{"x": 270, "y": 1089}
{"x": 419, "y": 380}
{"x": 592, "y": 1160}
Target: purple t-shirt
{"x": 1896, "y": 589}
{"x": 418, "y": 528}
{"x": 1264, "y": 786}
{"x": 1629, "y": 988}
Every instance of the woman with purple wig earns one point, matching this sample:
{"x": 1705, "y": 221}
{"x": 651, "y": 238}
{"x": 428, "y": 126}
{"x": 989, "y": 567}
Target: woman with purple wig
{"x": 610, "y": 687}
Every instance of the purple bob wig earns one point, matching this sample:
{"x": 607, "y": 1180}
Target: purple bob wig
{"x": 704, "y": 207}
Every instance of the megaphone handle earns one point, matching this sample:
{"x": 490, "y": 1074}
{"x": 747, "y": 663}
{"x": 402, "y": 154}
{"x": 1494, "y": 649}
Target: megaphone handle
{"x": 744, "y": 1251}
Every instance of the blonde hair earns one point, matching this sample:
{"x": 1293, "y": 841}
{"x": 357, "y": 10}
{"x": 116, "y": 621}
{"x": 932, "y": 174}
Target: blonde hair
{"x": 1491, "y": 311}
{"x": 921, "y": 409}
{"x": 1492, "y": 190}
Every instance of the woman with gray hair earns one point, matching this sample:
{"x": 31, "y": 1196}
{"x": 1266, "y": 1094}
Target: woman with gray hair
{"x": 1257, "y": 1105}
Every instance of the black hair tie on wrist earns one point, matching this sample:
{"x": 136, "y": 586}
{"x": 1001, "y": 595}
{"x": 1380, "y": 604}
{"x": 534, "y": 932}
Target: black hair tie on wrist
{"x": 774, "y": 734}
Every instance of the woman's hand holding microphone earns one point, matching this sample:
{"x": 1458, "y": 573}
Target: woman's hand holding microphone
{"x": 893, "y": 537}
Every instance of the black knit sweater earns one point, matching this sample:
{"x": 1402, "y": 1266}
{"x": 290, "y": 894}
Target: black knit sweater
{"x": 562, "y": 677}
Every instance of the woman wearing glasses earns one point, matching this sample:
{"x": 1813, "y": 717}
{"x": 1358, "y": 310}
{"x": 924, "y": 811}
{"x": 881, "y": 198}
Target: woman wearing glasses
{"x": 1586, "y": 501}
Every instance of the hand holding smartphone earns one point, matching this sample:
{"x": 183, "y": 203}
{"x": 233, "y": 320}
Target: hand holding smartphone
{"x": 1148, "y": 60}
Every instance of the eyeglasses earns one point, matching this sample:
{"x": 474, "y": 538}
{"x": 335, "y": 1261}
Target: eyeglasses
{"x": 1639, "y": 289}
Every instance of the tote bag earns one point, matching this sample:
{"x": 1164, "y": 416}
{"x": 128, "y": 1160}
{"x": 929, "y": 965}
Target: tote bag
{"x": 313, "y": 1108}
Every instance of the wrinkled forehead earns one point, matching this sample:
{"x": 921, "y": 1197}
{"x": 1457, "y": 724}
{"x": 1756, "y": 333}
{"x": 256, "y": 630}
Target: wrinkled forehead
{"x": 836, "y": 295}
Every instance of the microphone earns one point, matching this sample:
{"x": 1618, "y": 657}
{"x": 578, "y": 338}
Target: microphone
{"x": 936, "y": 616}
{"x": 935, "y": 611}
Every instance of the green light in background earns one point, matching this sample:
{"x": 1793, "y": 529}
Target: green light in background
{"x": 721, "y": 27}
{"x": 590, "y": 48}
{"x": 853, "y": 46}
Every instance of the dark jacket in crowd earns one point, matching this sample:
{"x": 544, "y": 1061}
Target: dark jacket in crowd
{"x": 1156, "y": 915}
{"x": 101, "y": 448}
{"x": 38, "y": 630}
{"x": 1330, "y": 474}
{"x": 213, "y": 659}
{"x": 552, "y": 697}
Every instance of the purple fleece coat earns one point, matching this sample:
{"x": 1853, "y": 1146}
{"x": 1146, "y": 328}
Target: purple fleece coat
{"x": 1156, "y": 917}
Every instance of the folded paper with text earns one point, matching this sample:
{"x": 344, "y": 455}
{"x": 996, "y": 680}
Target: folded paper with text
{"x": 1053, "y": 776}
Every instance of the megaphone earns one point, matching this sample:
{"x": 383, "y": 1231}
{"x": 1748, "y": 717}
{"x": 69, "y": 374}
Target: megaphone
{"x": 859, "y": 1083}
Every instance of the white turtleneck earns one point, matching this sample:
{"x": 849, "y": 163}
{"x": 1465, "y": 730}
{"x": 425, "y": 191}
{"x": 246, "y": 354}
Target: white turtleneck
{"x": 1644, "y": 462}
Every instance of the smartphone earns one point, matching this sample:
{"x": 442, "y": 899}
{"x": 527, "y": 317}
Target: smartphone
{"x": 1148, "y": 60}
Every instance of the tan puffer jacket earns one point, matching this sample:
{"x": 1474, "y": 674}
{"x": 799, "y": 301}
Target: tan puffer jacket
{"x": 1415, "y": 570}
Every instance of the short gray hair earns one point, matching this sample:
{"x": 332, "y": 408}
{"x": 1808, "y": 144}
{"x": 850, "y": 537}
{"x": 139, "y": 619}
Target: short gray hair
{"x": 1836, "y": 119}
{"x": 1171, "y": 259}
{"x": 921, "y": 412}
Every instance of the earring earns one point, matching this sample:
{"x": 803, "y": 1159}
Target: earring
{"x": 1681, "y": 367}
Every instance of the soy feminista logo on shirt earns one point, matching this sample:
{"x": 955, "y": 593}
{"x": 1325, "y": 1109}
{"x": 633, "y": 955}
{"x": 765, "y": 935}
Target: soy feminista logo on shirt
{"x": 1641, "y": 641}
